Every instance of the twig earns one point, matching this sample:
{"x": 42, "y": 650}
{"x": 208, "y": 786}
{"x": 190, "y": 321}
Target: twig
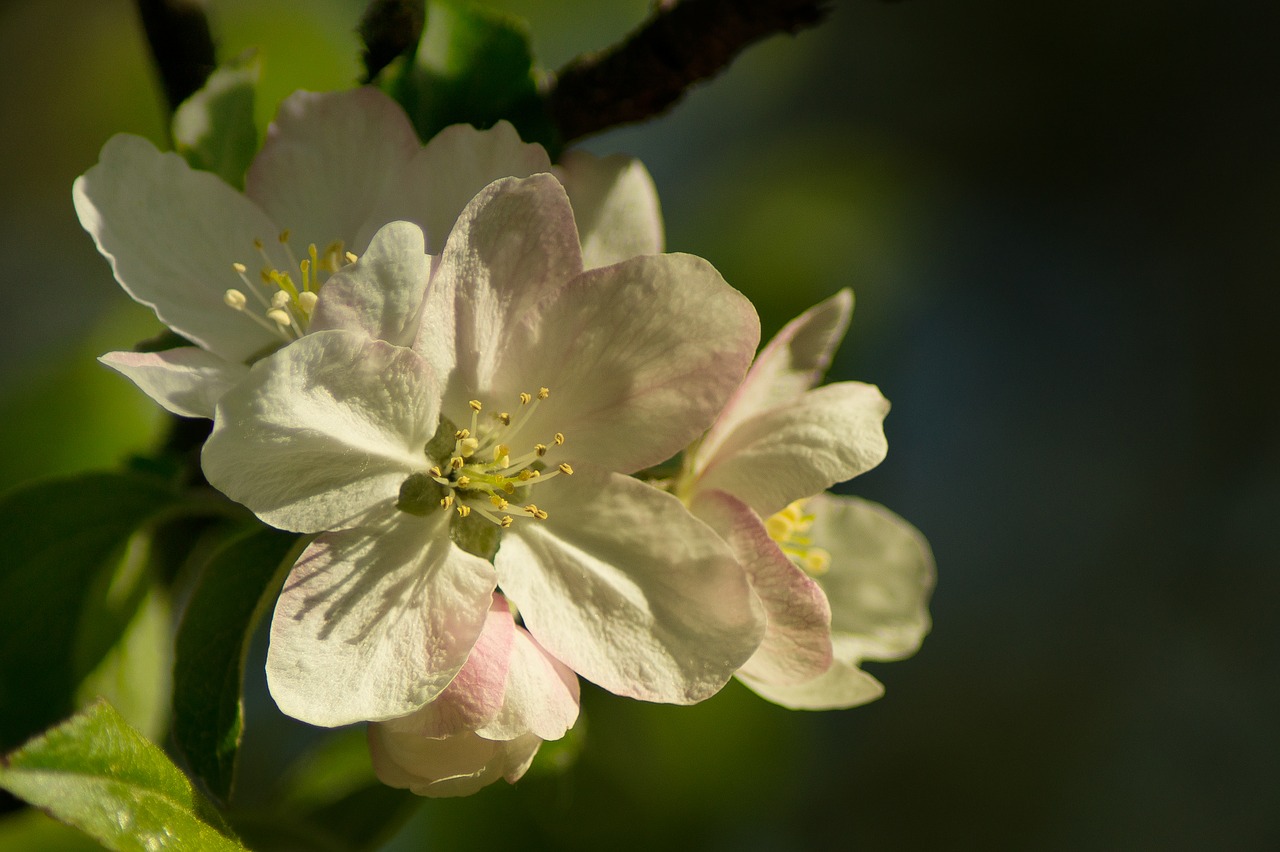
{"x": 681, "y": 44}
{"x": 181, "y": 46}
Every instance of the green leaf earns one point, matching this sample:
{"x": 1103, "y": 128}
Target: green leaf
{"x": 237, "y": 587}
{"x": 100, "y": 775}
{"x": 214, "y": 128}
{"x": 475, "y": 66}
{"x": 62, "y": 538}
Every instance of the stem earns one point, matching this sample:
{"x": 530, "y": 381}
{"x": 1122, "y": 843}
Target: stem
{"x": 681, "y": 44}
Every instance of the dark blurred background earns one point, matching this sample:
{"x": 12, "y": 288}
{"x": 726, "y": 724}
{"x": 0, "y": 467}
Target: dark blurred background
{"x": 1060, "y": 221}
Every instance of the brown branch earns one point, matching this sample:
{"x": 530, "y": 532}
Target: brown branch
{"x": 181, "y": 46}
{"x": 681, "y": 44}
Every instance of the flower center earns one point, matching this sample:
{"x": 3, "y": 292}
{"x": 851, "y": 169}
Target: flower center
{"x": 282, "y": 307}
{"x": 790, "y": 529}
{"x": 474, "y": 469}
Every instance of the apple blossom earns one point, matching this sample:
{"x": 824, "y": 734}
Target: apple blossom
{"x": 842, "y": 580}
{"x": 493, "y": 451}
{"x": 239, "y": 274}
{"x": 487, "y": 724}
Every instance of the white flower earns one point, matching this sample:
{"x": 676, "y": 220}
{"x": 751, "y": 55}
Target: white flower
{"x": 842, "y": 580}
{"x": 226, "y": 270}
{"x": 487, "y": 724}
{"x": 505, "y": 432}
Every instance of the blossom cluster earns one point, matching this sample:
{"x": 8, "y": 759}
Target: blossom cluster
{"x": 456, "y": 367}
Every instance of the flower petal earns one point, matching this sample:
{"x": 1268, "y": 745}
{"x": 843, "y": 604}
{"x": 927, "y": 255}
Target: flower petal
{"x": 790, "y": 364}
{"x": 616, "y": 207}
{"x": 541, "y": 695}
{"x": 638, "y": 356}
{"x": 629, "y": 590}
{"x": 475, "y": 696}
{"x": 375, "y": 622}
{"x": 826, "y": 436}
{"x": 187, "y": 381}
{"x": 452, "y": 766}
{"x": 381, "y": 293}
{"x": 455, "y": 165}
{"x": 513, "y": 246}
{"x": 327, "y": 161}
{"x": 797, "y": 639}
{"x": 879, "y": 581}
{"x": 323, "y": 430}
{"x": 841, "y": 686}
{"x": 172, "y": 235}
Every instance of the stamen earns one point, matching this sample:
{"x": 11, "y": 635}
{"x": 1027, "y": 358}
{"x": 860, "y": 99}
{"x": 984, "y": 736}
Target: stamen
{"x": 234, "y": 299}
{"x": 566, "y": 469}
{"x": 280, "y": 317}
{"x": 540, "y": 449}
{"x": 462, "y": 433}
{"x": 498, "y": 501}
{"x": 467, "y": 447}
{"x": 436, "y": 472}
{"x": 351, "y": 257}
{"x": 280, "y": 298}
{"x": 307, "y": 301}
{"x": 476, "y": 406}
{"x": 543, "y": 393}
{"x": 463, "y": 481}
{"x": 525, "y": 398}
{"x": 506, "y": 521}
{"x": 446, "y": 501}
{"x": 558, "y": 440}
{"x": 456, "y": 462}
{"x": 505, "y": 418}
{"x": 463, "y": 510}
{"x": 535, "y": 512}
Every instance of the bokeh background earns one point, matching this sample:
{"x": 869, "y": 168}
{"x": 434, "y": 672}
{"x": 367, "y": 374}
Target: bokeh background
{"x": 1061, "y": 223}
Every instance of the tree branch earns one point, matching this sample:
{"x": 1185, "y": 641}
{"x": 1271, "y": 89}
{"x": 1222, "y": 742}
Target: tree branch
{"x": 181, "y": 45}
{"x": 681, "y": 44}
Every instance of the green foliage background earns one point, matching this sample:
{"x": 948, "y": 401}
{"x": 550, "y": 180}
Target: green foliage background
{"x": 1059, "y": 222}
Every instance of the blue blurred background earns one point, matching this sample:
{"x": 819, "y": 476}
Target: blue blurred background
{"x": 1060, "y": 223}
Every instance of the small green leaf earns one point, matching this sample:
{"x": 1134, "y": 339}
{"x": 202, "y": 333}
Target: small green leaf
{"x": 214, "y": 128}
{"x": 474, "y": 66}
{"x": 237, "y": 587}
{"x": 61, "y": 536}
{"x": 100, "y": 775}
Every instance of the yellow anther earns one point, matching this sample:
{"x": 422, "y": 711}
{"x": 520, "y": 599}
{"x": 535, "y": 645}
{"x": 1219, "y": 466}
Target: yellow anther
{"x": 540, "y": 449}
{"x": 543, "y": 393}
{"x": 351, "y": 257}
{"x": 506, "y": 521}
{"x": 535, "y": 512}
{"x": 816, "y": 562}
{"x": 257, "y": 243}
{"x": 307, "y": 300}
{"x": 463, "y": 511}
{"x": 566, "y": 469}
{"x": 284, "y": 236}
{"x": 505, "y": 418}
{"x": 509, "y": 487}
{"x": 501, "y": 451}
{"x": 475, "y": 405}
{"x": 463, "y": 481}
{"x": 527, "y": 474}
{"x": 462, "y": 433}
{"x": 456, "y": 462}
{"x": 525, "y": 398}
{"x": 436, "y": 471}
{"x": 558, "y": 439}
{"x": 468, "y": 447}
{"x": 239, "y": 268}
{"x": 279, "y": 299}
{"x": 446, "y": 500}
{"x": 279, "y": 317}
{"x": 234, "y": 299}
{"x": 779, "y": 526}
{"x": 498, "y": 502}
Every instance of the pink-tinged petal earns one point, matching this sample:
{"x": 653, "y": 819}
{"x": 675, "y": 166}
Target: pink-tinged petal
{"x": 780, "y": 455}
{"x": 187, "y": 381}
{"x": 381, "y": 294}
{"x": 541, "y": 695}
{"x": 172, "y": 235}
{"x": 375, "y": 622}
{"x": 797, "y": 640}
{"x": 328, "y": 160}
{"x": 629, "y": 590}
{"x": 323, "y": 430}
{"x": 475, "y": 696}
{"x": 638, "y": 357}
{"x": 451, "y": 766}
{"x": 841, "y": 686}
{"x": 513, "y": 246}
{"x": 791, "y": 363}
{"x": 455, "y": 165}
{"x": 879, "y": 580}
{"x": 616, "y": 206}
